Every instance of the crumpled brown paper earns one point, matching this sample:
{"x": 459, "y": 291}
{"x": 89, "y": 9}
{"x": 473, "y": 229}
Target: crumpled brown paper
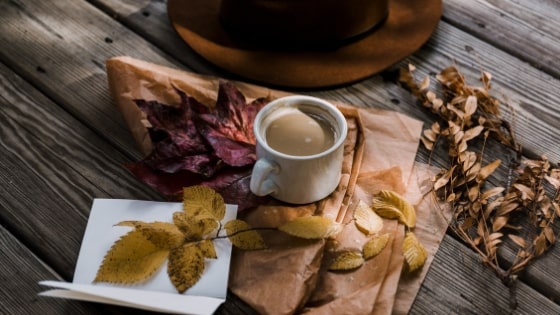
{"x": 291, "y": 277}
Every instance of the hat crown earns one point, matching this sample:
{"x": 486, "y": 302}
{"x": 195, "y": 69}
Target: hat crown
{"x": 306, "y": 22}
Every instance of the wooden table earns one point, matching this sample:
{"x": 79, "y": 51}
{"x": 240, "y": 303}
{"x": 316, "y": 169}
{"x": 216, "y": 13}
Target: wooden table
{"x": 63, "y": 142}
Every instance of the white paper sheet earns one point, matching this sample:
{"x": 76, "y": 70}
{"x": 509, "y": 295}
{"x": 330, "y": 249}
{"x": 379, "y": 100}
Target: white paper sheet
{"x": 158, "y": 293}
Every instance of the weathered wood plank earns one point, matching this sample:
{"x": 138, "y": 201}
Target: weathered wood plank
{"x": 61, "y": 47}
{"x": 55, "y": 166}
{"x": 21, "y": 270}
{"x": 359, "y": 92}
{"x": 150, "y": 20}
{"x": 528, "y": 30}
{"x": 456, "y": 279}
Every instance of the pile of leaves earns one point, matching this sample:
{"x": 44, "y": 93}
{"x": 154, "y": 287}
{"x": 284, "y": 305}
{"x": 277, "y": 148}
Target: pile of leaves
{"x": 185, "y": 243}
{"x": 523, "y": 209}
{"x": 188, "y": 241}
{"x": 197, "y": 145}
{"x": 368, "y": 219}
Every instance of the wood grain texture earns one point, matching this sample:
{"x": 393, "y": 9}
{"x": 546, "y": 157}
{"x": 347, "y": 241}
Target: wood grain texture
{"x": 528, "y": 30}
{"x": 52, "y": 182}
{"x": 58, "y": 50}
{"x": 21, "y": 272}
{"x": 61, "y": 48}
{"x": 452, "y": 288}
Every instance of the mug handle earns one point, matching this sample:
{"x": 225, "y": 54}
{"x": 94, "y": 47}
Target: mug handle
{"x": 260, "y": 184}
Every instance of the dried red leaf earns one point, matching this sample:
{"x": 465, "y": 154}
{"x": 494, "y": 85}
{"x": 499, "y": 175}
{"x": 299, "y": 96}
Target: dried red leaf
{"x": 198, "y": 145}
{"x": 228, "y": 128}
{"x": 177, "y": 143}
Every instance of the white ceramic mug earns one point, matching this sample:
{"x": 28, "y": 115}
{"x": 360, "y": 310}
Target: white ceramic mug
{"x": 298, "y": 178}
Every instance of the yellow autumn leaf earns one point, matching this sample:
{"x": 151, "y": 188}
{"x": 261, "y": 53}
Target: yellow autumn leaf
{"x": 243, "y": 236}
{"x": 367, "y": 220}
{"x": 391, "y": 205}
{"x": 347, "y": 261}
{"x": 202, "y": 198}
{"x": 312, "y": 227}
{"x": 185, "y": 266}
{"x": 131, "y": 259}
{"x": 195, "y": 227}
{"x": 163, "y": 235}
{"x": 374, "y": 246}
{"x": 207, "y": 248}
{"x": 414, "y": 252}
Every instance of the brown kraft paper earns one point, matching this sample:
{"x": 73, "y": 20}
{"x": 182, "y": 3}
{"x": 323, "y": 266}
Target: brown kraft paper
{"x": 291, "y": 277}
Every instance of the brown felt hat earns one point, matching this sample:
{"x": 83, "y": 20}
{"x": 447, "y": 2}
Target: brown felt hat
{"x": 304, "y": 43}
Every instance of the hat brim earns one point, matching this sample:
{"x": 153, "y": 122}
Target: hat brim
{"x": 407, "y": 27}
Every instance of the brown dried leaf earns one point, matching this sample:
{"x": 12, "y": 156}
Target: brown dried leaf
{"x": 367, "y": 220}
{"x": 554, "y": 181}
{"x": 311, "y": 227}
{"x": 467, "y": 158}
{"x": 549, "y": 234}
{"x": 473, "y": 133}
{"x": 487, "y": 170}
{"x": 474, "y": 192}
{"x": 243, "y": 236}
{"x": 499, "y": 223}
{"x": 526, "y": 192}
{"x": 473, "y": 171}
{"x": 520, "y": 241}
{"x": 131, "y": 259}
{"x": 425, "y": 83}
{"x": 506, "y": 207}
{"x": 436, "y": 128}
{"x": 462, "y": 147}
{"x": 202, "y": 198}
{"x": 556, "y": 209}
{"x": 437, "y": 103}
{"x": 540, "y": 244}
{"x": 427, "y": 143}
{"x": 444, "y": 179}
{"x": 430, "y": 135}
{"x": 491, "y": 193}
{"x": 185, "y": 266}
{"x": 347, "y": 261}
{"x": 414, "y": 252}
{"x": 457, "y": 137}
{"x": 457, "y": 111}
{"x": 471, "y": 105}
{"x": 374, "y": 246}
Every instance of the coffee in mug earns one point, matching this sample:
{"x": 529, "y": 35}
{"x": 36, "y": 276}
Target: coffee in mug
{"x": 296, "y": 132}
{"x": 299, "y": 149}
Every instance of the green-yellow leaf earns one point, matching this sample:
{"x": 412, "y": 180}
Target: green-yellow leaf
{"x": 347, "y": 261}
{"x": 185, "y": 266}
{"x": 374, "y": 246}
{"x": 163, "y": 235}
{"x": 367, "y": 220}
{"x": 243, "y": 236}
{"x": 131, "y": 259}
{"x": 312, "y": 227}
{"x": 414, "y": 252}
{"x": 202, "y": 198}
{"x": 391, "y": 205}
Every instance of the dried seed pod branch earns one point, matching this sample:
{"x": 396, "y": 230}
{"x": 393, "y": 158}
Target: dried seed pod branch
{"x": 486, "y": 217}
